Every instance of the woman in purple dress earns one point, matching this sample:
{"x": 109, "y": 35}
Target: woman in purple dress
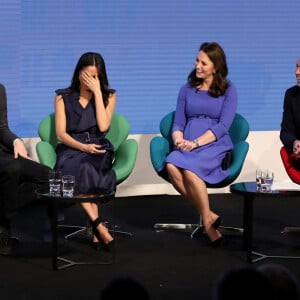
{"x": 83, "y": 114}
{"x": 205, "y": 109}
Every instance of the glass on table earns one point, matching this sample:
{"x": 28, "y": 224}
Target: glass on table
{"x": 264, "y": 180}
{"x": 266, "y": 185}
{"x": 54, "y": 177}
{"x": 260, "y": 174}
{"x": 68, "y": 184}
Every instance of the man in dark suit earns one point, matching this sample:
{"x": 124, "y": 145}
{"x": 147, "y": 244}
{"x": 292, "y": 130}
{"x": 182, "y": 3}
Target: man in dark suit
{"x": 290, "y": 124}
{"x": 20, "y": 176}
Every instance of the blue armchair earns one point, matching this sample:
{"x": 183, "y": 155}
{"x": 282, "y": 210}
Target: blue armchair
{"x": 160, "y": 147}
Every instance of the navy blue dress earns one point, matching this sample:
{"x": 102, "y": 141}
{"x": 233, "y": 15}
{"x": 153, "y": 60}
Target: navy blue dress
{"x": 93, "y": 172}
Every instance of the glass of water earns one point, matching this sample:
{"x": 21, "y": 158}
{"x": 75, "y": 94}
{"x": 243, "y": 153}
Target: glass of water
{"x": 267, "y": 181}
{"x": 54, "y": 181}
{"x": 68, "y": 184}
{"x": 260, "y": 175}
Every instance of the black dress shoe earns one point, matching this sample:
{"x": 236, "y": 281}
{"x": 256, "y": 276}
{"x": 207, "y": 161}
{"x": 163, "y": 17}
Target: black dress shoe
{"x": 217, "y": 223}
{"x": 7, "y": 243}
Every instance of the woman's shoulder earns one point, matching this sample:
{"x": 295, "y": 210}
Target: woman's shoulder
{"x": 112, "y": 91}
{"x": 231, "y": 85}
{"x": 63, "y": 92}
{"x": 185, "y": 87}
{"x": 67, "y": 95}
{"x": 231, "y": 88}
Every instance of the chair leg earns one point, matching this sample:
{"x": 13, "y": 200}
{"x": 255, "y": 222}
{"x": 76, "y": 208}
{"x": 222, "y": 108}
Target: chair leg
{"x": 115, "y": 230}
{"x": 174, "y": 226}
{"x": 194, "y": 227}
{"x": 199, "y": 227}
{"x": 223, "y": 228}
{"x": 290, "y": 230}
{"x": 80, "y": 229}
{"x": 178, "y": 226}
{"x": 86, "y": 230}
{"x": 232, "y": 229}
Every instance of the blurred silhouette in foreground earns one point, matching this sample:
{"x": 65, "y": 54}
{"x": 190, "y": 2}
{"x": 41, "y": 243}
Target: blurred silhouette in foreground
{"x": 124, "y": 288}
{"x": 284, "y": 282}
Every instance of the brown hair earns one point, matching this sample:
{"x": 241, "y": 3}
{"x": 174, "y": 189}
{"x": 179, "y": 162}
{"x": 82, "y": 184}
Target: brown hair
{"x": 220, "y": 83}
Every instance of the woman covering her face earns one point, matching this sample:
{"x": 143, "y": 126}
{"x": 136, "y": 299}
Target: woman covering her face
{"x": 83, "y": 113}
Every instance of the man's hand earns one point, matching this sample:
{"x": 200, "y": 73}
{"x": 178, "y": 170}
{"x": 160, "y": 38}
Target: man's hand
{"x": 20, "y": 149}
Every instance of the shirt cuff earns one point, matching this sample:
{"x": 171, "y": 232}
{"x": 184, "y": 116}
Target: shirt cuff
{"x": 14, "y": 142}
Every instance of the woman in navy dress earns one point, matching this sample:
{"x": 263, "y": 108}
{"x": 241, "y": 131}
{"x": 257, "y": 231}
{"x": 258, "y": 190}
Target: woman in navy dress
{"x": 205, "y": 109}
{"x": 83, "y": 114}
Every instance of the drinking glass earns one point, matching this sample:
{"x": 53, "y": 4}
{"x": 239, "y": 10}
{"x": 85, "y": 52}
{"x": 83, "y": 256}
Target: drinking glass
{"x": 54, "y": 181}
{"x": 68, "y": 183}
{"x": 267, "y": 181}
{"x": 260, "y": 175}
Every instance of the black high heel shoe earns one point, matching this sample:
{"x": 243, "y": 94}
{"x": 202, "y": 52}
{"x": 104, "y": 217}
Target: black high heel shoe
{"x": 101, "y": 244}
{"x": 217, "y": 243}
{"x": 217, "y": 223}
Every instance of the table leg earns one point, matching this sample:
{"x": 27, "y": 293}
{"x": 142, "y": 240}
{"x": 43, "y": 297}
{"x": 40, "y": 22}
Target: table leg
{"x": 248, "y": 226}
{"x": 248, "y": 234}
{"x": 53, "y": 208}
{"x": 54, "y": 224}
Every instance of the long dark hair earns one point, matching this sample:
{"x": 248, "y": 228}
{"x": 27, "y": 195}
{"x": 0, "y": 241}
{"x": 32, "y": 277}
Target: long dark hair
{"x": 220, "y": 83}
{"x": 92, "y": 59}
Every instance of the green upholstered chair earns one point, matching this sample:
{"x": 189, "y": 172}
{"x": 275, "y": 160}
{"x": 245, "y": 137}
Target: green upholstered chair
{"x": 126, "y": 149}
{"x": 160, "y": 147}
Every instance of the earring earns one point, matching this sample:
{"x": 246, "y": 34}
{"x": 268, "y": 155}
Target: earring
{"x": 214, "y": 72}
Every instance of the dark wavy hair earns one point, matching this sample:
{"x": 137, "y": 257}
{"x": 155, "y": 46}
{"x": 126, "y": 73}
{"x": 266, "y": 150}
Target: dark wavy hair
{"x": 92, "y": 59}
{"x": 220, "y": 83}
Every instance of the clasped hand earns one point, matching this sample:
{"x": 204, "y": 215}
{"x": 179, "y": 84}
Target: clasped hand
{"x": 94, "y": 149}
{"x": 296, "y": 148}
{"x": 185, "y": 145}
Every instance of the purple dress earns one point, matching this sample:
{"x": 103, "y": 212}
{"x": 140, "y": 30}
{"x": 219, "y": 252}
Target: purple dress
{"x": 93, "y": 173}
{"x": 196, "y": 112}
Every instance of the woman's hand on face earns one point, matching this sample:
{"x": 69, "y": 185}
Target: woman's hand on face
{"x": 94, "y": 149}
{"x": 92, "y": 82}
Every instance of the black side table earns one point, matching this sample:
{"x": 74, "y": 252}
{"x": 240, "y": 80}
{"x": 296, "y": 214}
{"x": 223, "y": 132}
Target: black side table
{"x": 249, "y": 191}
{"x": 56, "y": 201}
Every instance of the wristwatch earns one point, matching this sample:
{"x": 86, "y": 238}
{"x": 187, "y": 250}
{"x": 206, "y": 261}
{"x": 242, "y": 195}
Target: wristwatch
{"x": 196, "y": 143}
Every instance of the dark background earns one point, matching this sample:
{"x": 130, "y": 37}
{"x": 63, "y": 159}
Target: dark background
{"x": 168, "y": 263}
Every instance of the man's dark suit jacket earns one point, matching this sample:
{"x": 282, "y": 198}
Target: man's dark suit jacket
{"x": 19, "y": 177}
{"x": 290, "y": 125}
{"x": 6, "y": 135}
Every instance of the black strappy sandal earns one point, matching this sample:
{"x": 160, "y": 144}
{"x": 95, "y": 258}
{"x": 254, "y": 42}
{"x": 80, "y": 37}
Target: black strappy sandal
{"x": 106, "y": 246}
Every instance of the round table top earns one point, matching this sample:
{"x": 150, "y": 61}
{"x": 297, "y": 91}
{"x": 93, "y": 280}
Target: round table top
{"x": 45, "y": 194}
{"x": 250, "y": 187}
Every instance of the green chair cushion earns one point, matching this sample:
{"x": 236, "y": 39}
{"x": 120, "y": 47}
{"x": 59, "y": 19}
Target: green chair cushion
{"x": 125, "y": 149}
